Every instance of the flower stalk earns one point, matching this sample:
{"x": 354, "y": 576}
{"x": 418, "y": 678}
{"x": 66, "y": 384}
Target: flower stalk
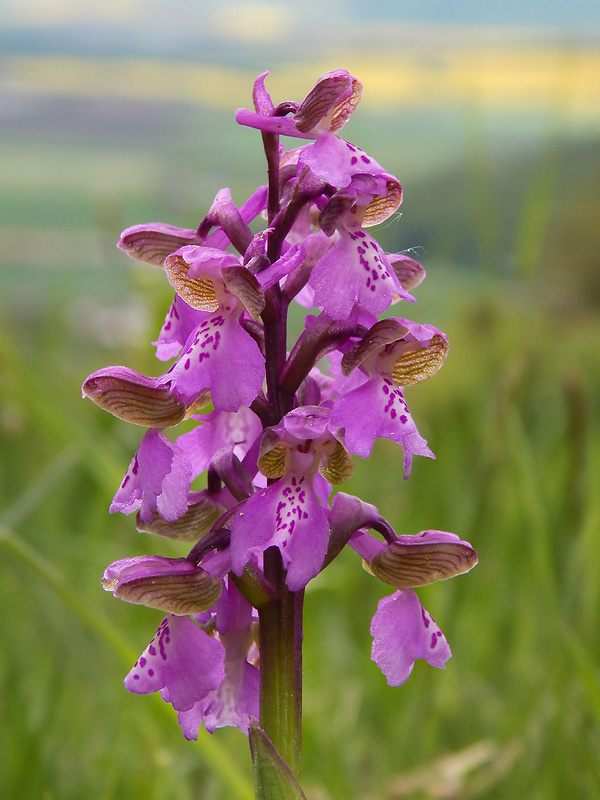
{"x": 274, "y": 432}
{"x": 280, "y": 644}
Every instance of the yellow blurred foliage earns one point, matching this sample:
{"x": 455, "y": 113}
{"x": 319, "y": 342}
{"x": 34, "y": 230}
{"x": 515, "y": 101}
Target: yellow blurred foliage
{"x": 514, "y": 78}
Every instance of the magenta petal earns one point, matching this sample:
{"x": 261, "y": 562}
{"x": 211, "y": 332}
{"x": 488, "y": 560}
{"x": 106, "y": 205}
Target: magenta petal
{"x": 180, "y": 321}
{"x": 182, "y": 661}
{"x": 282, "y": 126}
{"x": 191, "y": 720}
{"x": 158, "y": 478}
{"x": 402, "y": 632}
{"x": 336, "y": 161}
{"x": 124, "y": 374}
{"x": 303, "y": 423}
{"x": 286, "y": 515}
{"x": 256, "y": 203}
{"x": 205, "y": 260}
{"x": 236, "y": 701}
{"x": 154, "y": 241}
{"x": 280, "y": 269}
{"x": 136, "y": 567}
{"x": 354, "y": 271}
{"x": 377, "y": 409}
{"x": 220, "y": 429}
{"x": 261, "y": 97}
{"x": 366, "y": 545}
{"x": 431, "y": 537}
{"x": 222, "y": 357}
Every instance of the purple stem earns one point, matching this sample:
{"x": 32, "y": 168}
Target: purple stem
{"x": 280, "y": 621}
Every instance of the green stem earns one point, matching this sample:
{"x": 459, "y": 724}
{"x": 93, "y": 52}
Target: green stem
{"x": 281, "y": 665}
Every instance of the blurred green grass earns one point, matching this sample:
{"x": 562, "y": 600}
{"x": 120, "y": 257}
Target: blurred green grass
{"x": 512, "y": 417}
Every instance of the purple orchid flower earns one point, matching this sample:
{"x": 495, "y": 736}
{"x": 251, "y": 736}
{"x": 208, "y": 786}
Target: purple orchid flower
{"x": 289, "y": 514}
{"x": 327, "y": 107}
{"x": 158, "y": 477}
{"x": 235, "y": 701}
{"x": 219, "y": 429}
{"x": 218, "y": 351}
{"x": 403, "y": 632}
{"x": 206, "y": 677}
{"x": 280, "y": 432}
{"x": 376, "y": 406}
{"x": 286, "y": 515}
{"x": 180, "y": 321}
{"x": 356, "y": 263}
{"x": 182, "y": 661}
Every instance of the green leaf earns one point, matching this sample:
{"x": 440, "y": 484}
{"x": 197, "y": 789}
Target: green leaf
{"x": 273, "y": 779}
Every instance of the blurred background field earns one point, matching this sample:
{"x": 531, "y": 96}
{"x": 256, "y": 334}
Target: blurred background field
{"x": 122, "y": 113}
